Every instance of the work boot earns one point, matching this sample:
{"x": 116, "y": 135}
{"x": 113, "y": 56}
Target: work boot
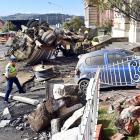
{"x": 22, "y": 91}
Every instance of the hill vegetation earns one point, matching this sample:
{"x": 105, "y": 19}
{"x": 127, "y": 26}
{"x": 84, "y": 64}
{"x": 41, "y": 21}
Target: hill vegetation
{"x": 52, "y": 19}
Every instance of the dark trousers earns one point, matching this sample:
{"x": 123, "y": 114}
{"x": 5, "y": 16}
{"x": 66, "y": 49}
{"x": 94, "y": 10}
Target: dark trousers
{"x": 10, "y": 82}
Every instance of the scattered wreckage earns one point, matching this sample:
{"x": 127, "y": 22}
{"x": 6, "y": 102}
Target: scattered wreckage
{"x": 37, "y": 42}
{"x": 127, "y": 112}
{"x": 63, "y": 110}
{"x": 53, "y": 112}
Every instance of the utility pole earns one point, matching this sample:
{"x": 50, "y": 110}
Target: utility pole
{"x": 59, "y": 6}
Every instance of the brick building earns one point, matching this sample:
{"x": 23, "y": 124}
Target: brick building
{"x": 92, "y": 15}
{"x": 1, "y": 24}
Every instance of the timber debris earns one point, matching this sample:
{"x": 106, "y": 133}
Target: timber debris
{"x": 38, "y": 42}
{"x": 127, "y": 114}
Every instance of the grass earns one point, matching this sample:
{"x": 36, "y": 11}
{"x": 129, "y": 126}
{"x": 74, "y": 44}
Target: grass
{"x": 109, "y": 128}
{"x": 133, "y": 138}
{"x": 107, "y": 120}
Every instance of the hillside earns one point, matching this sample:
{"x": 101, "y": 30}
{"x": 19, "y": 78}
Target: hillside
{"x": 52, "y": 19}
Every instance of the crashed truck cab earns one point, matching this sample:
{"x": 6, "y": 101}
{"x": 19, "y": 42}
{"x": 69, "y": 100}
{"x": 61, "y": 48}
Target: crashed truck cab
{"x": 37, "y": 42}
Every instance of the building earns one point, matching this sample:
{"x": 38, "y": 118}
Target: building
{"x": 1, "y": 24}
{"x": 125, "y": 27}
{"x": 92, "y": 15}
{"x": 134, "y": 32}
{"x": 122, "y": 26}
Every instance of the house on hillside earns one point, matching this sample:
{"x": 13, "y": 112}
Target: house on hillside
{"x": 1, "y": 24}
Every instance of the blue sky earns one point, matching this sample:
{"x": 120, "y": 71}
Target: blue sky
{"x": 8, "y": 7}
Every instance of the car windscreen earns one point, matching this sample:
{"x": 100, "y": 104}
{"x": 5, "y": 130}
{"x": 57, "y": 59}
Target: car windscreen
{"x": 119, "y": 57}
{"x": 127, "y": 53}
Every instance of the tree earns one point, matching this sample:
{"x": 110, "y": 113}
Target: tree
{"x": 8, "y": 26}
{"x": 130, "y": 8}
{"x": 74, "y": 24}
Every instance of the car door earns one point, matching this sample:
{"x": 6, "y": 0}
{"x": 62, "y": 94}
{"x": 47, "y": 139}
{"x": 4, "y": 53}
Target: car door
{"x": 120, "y": 69}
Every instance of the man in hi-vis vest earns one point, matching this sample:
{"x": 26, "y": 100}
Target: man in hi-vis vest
{"x": 11, "y": 73}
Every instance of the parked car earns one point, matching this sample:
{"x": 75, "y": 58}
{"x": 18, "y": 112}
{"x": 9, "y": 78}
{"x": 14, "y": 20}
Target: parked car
{"x": 118, "y": 67}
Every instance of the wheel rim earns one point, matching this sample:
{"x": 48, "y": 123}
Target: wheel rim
{"x": 83, "y": 85}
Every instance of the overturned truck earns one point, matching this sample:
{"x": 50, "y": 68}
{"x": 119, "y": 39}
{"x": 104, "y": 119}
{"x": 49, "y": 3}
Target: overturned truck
{"x": 37, "y": 42}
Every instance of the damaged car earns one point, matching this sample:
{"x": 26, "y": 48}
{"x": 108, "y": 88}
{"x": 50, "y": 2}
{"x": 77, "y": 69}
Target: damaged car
{"x": 118, "y": 67}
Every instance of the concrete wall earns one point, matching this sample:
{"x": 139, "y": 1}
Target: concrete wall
{"x": 105, "y": 16}
{"x": 93, "y": 17}
{"x": 134, "y": 32}
{"x": 91, "y": 14}
{"x": 121, "y": 25}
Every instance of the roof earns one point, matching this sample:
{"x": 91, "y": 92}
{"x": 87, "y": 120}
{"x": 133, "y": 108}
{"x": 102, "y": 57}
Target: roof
{"x": 103, "y": 51}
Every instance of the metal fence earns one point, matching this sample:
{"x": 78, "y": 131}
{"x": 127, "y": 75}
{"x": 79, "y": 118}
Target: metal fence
{"x": 124, "y": 73}
{"x": 87, "y": 128}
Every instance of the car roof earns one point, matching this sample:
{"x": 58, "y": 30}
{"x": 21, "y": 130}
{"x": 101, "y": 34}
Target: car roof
{"x": 99, "y": 52}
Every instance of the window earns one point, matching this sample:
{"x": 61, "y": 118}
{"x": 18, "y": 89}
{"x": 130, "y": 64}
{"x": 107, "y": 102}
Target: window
{"x": 128, "y": 53}
{"x": 95, "y": 60}
{"x": 114, "y": 58}
{"x": 88, "y": 61}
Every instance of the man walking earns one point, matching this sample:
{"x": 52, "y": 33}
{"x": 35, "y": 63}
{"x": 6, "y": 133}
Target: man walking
{"x": 11, "y": 73}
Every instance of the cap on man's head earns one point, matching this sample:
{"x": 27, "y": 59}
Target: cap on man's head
{"x": 13, "y": 58}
